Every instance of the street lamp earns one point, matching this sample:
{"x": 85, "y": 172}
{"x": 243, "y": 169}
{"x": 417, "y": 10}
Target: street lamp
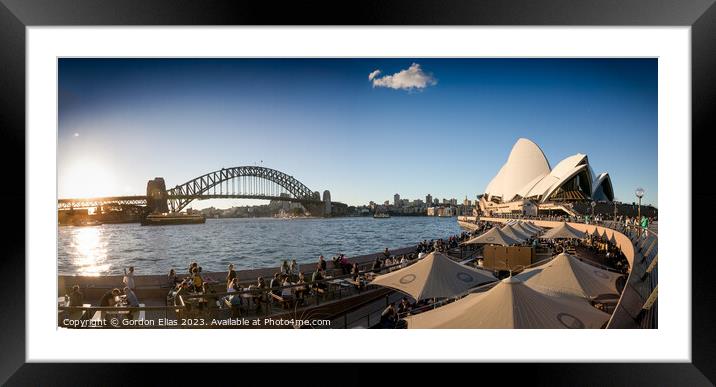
{"x": 639, "y": 194}
{"x": 615, "y": 213}
{"x": 593, "y": 204}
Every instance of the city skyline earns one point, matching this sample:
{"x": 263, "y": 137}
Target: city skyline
{"x": 362, "y": 128}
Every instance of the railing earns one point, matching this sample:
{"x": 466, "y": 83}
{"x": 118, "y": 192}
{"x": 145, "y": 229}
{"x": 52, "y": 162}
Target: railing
{"x": 333, "y": 289}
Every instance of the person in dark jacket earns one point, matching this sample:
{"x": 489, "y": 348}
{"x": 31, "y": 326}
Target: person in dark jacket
{"x": 76, "y": 297}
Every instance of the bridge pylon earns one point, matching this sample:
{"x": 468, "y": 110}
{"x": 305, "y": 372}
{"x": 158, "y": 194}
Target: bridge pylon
{"x": 157, "y": 195}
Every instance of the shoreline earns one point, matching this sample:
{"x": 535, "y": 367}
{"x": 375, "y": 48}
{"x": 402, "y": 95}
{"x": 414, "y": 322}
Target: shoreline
{"x": 159, "y": 281}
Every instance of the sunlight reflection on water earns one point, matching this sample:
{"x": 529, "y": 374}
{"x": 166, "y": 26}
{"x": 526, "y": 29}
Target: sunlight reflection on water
{"x": 247, "y": 243}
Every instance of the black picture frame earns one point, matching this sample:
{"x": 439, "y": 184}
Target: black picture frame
{"x": 16, "y": 15}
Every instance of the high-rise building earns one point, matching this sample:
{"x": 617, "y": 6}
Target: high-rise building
{"x": 396, "y": 200}
{"x": 453, "y": 202}
{"x": 436, "y": 201}
{"x": 429, "y": 199}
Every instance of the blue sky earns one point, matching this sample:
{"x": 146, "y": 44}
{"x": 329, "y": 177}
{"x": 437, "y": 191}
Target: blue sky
{"x": 442, "y": 126}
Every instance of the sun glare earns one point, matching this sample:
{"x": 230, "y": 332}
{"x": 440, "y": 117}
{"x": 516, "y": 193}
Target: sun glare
{"x": 85, "y": 179}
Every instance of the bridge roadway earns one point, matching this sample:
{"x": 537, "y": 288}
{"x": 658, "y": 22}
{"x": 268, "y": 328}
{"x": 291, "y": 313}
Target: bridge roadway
{"x": 141, "y": 200}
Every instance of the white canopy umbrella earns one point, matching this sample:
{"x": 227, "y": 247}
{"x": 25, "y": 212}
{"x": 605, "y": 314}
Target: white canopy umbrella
{"x": 514, "y": 233}
{"x": 436, "y": 275}
{"x": 532, "y": 227}
{"x": 567, "y": 275}
{"x": 493, "y": 236}
{"x": 511, "y": 304}
{"x": 563, "y": 231}
{"x": 595, "y": 233}
{"x": 524, "y": 230}
{"x": 532, "y": 224}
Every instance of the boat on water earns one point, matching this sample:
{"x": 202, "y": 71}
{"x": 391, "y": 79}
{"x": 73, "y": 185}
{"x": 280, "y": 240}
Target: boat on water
{"x": 381, "y": 215}
{"x": 172, "y": 218}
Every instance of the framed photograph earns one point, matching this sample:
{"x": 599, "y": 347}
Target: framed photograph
{"x": 472, "y": 178}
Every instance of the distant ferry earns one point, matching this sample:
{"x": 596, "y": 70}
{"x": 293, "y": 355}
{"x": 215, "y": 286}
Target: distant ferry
{"x": 381, "y": 215}
{"x": 175, "y": 218}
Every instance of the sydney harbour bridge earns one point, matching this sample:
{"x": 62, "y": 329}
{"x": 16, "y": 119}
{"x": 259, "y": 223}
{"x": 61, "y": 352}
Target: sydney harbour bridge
{"x": 246, "y": 182}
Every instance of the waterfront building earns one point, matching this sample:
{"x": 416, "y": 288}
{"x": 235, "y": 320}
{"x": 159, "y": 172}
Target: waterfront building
{"x": 429, "y": 199}
{"x": 527, "y": 185}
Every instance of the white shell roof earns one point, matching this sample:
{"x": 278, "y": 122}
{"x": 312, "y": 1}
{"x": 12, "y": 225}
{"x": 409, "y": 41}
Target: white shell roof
{"x": 527, "y": 173}
{"x": 562, "y": 172}
{"x": 603, "y": 177}
{"x": 526, "y": 163}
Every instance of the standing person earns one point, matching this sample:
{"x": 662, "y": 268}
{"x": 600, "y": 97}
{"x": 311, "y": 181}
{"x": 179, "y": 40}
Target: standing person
{"x": 645, "y": 225}
{"x": 345, "y": 265}
{"x": 232, "y": 273}
{"x": 322, "y": 265}
{"x": 285, "y": 270}
{"x": 293, "y": 269}
{"x": 76, "y": 297}
{"x": 386, "y": 253}
{"x": 128, "y": 279}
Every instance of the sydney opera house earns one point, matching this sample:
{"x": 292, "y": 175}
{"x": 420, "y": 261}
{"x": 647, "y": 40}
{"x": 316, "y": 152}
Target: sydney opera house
{"x": 526, "y": 184}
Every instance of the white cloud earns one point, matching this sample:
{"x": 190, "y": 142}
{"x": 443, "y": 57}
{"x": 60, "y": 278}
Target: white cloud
{"x": 412, "y": 78}
{"x": 373, "y": 75}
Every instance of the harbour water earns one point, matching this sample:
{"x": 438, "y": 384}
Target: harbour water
{"x": 247, "y": 243}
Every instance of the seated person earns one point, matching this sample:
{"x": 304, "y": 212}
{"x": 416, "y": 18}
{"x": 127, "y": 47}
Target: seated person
{"x": 275, "y": 284}
{"x": 132, "y": 299}
{"x": 197, "y": 281}
{"x": 287, "y": 292}
{"x": 316, "y": 278}
{"x": 389, "y": 317}
{"x": 182, "y": 291}
{"x": 355, "y": 275}
{"x": 108, "y": 298}
{"x": 76, "y": 297}
{"x": 206, "y": 289}
{"x": 300, "y": 290}
{"x": 377, "y": 265}
{"x": 257, "y": 298}
{"x": 403, "y": 307}
{"x": 173, "y": 279}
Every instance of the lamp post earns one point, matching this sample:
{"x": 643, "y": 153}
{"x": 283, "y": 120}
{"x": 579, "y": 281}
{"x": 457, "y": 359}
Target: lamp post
{"x": 593, "y": 204}
{"x": 639, "y": 194}
{"x": 615, "y": 214}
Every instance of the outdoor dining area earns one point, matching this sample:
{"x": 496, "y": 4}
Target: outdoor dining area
{"x": 564, "y": 291}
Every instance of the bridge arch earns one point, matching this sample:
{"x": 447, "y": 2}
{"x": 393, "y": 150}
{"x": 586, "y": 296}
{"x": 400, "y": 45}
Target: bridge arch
{"x": 246, "y": 182}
